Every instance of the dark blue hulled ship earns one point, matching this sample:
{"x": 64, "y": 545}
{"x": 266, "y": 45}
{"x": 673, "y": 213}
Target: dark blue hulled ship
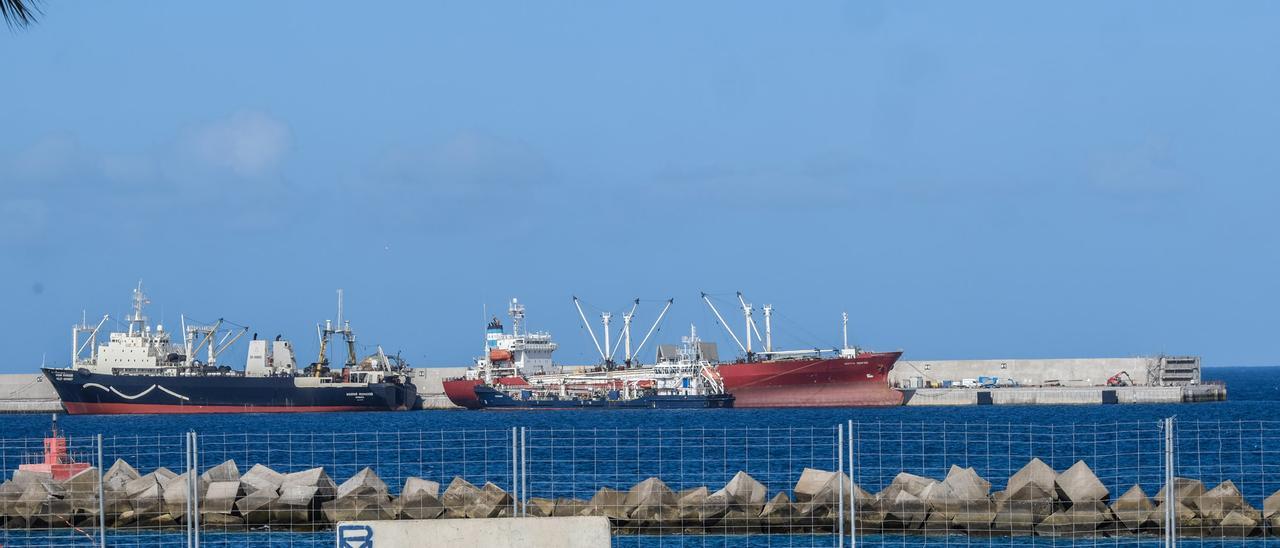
{"x": 491, "y": 398}
{"x": 143, "y": 371}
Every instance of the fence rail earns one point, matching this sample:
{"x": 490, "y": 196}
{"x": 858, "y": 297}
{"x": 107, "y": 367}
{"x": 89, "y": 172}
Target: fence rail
{"x": 883, "y": 483}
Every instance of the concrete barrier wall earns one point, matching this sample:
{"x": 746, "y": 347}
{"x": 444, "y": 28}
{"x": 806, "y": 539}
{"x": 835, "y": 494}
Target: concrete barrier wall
{"x": 545, "y": 532}
{"x": 1035, "y": 372}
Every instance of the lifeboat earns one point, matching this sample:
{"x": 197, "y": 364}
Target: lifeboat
{"x": 499, "y": 355}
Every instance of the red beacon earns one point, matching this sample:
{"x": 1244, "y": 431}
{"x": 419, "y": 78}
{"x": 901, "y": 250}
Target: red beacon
{"x": 57, "y": 464}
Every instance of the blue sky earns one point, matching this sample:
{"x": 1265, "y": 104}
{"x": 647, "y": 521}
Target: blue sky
{"x": 977, "y": 179}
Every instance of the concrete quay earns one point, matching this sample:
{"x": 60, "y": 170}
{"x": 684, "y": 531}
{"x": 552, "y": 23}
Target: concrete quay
{"x": 1062, "y": 395}
{"x": 28, "y": 393}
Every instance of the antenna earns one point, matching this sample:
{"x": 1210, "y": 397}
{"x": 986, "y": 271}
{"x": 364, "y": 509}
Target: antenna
{"x": 844, "y": 328}
{"x": 339, "y": 308}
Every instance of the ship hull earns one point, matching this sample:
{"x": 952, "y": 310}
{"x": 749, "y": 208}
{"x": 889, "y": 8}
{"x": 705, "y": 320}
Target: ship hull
{"x": 462, "y": 392}
{"x": 491, "y": 398}
{"x": 862, "y": 381}
{"x": 95, "y": 393}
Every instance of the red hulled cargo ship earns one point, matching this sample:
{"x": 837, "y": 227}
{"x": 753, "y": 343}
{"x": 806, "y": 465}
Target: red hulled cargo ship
{"x": 854, "y": 380}
{"x": 843, "y": 377}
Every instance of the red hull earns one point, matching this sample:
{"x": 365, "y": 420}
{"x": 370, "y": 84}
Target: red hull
{"x": 830, "y": 382}
{"x": 74, "y": 408}
{"x": 462, "y": 392}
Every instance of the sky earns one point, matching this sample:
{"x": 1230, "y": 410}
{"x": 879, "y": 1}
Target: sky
{"x": 966, "y": 179}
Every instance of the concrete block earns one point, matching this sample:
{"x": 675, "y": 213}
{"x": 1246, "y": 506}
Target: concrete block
{"x": 651, "y": 501}
{"x": 175, "y": 495}
{"x": 904, "y": 511}
{"x": 489, "y": 503}
{"x": 1186, "y": 518}
{"x": 1084, "y": 518}
{"x": 778, "y": 510}
{"x": 261, "y": 478}
{"x": 163, "y": 475}
{"x": 692, "y": 506}
{"x": 1133, "y": 510}
{"x": 1078, "y": 484}
{"x": 975, "y": 516}
{"x": 415, "y": 485}
{"x": 145, "y": 496}
{"x": 220, "y": 498}
{"x": 255, "y": 506}
{"x": 918, "y": 486}
{"x": 961, "y": 489}
{"x": 1186, "y": 492}
{"x": 609, "y": 503}
{"x": 296, "y": 503}
{"x": 1271, "y": 506}
{"x": 226, "y": 471}
{"x": 817, "y": 492}
{"x": 540, "y": 508}
{"x": 566, "y": 507}
{"x": 746, "y": 494}
{"x": 81, "y": 491}
{"x": 1021, "y": 516}
{"x": 1035, "y": 474}
{"x": 457, "y": 496}
{"x": 420, "y": 504}
{"x": 365, "y": 482}
{"x": 1216, "y": 503}
{"x": 118, "y": 475}
{"x": 1237, "y": 523}
{"x": 358, "y": 507}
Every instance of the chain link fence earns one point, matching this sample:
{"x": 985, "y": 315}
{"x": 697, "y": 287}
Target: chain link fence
{"x": 882, "y": 483}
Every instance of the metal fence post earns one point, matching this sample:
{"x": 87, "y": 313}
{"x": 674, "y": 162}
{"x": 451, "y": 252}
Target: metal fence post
{"x": 515, "y": 472}
{"x": 853, "y": 495}
{"x": 195, "y": 481}
{"x": 186, "y": 461}
{"x": 1170, "y": 495}
{"x": 840, "y": 485}
{"x": 102, "y": 505}
{"x": 524, "y": 471}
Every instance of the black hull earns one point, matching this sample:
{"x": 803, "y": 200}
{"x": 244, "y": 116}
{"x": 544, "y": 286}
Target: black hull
{"x": 85, "y": 393}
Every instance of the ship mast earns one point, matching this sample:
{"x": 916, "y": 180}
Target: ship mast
{"x": 137, "y": 319}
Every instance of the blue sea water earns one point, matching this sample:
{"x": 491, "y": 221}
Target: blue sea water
{"x": 573, "y": 453}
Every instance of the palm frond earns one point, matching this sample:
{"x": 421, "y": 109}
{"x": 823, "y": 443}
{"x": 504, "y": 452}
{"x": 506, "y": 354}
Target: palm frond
{"x": 19, "y": 13}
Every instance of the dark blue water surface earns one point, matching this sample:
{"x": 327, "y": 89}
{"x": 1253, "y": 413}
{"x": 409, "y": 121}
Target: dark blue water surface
{"x": 573, "y": 453}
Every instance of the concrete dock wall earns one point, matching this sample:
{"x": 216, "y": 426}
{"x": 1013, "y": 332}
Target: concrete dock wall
{"x": 27, "y": 393}
{"x": 1058, "y": 395}
{"x": 1025, "y": 372}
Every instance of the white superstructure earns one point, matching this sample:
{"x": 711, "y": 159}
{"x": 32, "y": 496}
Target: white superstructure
{"x": 146, "y": 350}
{"x": 507, "y": 354}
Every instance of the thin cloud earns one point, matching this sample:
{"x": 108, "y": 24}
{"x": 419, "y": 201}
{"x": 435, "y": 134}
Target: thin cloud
{"x": 248, "y": 144}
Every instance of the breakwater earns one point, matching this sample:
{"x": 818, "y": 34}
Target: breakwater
{"x": 1036, "y": 500}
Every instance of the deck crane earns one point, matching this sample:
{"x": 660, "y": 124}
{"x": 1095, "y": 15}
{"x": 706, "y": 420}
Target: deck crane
{"x": 610, "y": 348}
